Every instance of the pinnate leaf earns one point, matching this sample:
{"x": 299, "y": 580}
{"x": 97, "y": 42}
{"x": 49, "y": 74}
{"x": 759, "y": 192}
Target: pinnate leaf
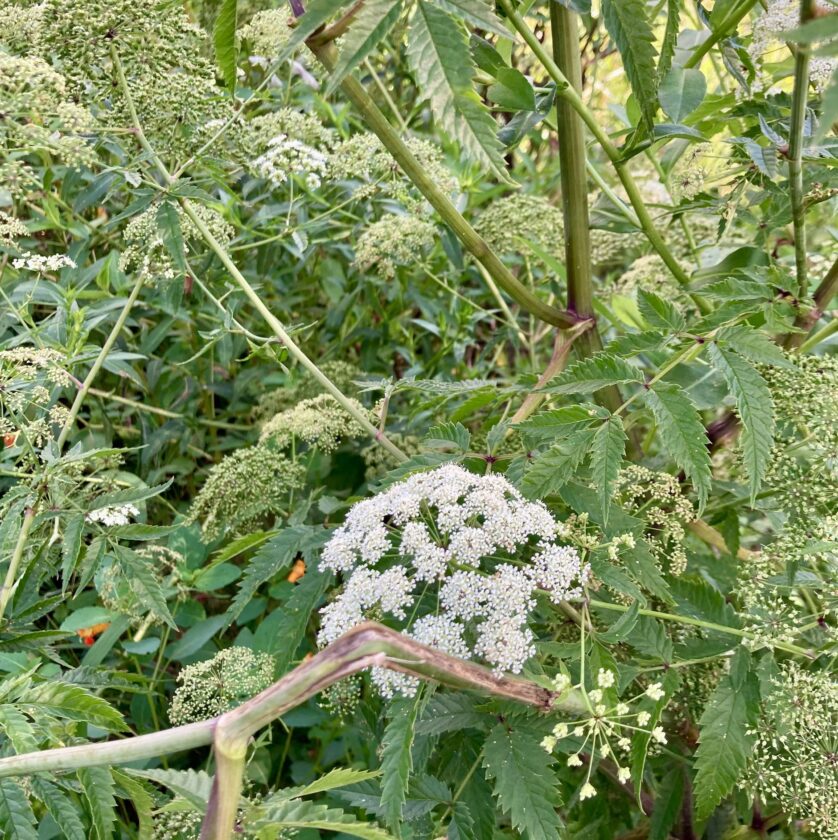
{"x": 592, "y": 374}
{"x": 607, "y": 451}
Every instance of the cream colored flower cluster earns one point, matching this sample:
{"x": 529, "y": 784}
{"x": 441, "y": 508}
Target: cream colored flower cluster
{"x": 436, "y": 552}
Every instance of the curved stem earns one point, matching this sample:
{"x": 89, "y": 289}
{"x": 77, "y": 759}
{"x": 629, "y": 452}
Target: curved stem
{"x": 412, "y": 168}
{"x": 17, "y": 555}
{"x": 722, "y": 31}
{"x": 273, "y": 322}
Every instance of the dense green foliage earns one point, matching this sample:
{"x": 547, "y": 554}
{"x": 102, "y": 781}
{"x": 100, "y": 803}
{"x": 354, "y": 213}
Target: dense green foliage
{"x": 505, "y": 326}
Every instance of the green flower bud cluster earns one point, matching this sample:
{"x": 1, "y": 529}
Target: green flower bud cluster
{"x": 214, "y": 686}
{"x": 244, "y": 489}
{"x": 795, "y": 760}
{"x": 319, "y": 422}
{"x": 146, "y": 248}
{"x": 649, "y": 274}
{"x": 517, "y": 222}
{"x": 343, "y": 374}
{"x": 341, "y": 698}
{"x": 657, "y": 498}
{"x": 394, "y": 241}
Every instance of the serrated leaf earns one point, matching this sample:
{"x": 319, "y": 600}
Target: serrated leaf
{"x": 141, "y": 801}
{"x": 441, "y": 62}
{"x": 682, "y": 433}
{"x": 224, "y": 39}
{"x": 73, "y": 702}
{"x": 449, "y": 713}
{"x": 696, "y": 598}
{"x": 660, "y": 313}
{"x": 289, "y": 631}
{"x": 525, "y": 783}
{"x": 274, "y": 557}
{"x": 397, "y": 758}
{"x": 649, "y": 637}
{"x": 448, "y": 436}
{"x": 753, "y": 344}
{"x": 462, "y": 825}
{"x": 71, "y": 546}
{"x": 17, "y": 729}
{"x": 478, "y": 13}
{"x": 138, "y": 570}
{"x": 634, "y": 343}
{"x": 98, "y": 788}
{"x": 589, "y": 375}
{"x": 754, "y": 407}
{"x": 622, "y": 627}
{"x": 670, "y": 36}
{"x": 168, "y": 223}
{"x": 681, "y": 92}
{"x": 547, "y": 425}
{"x": 724, "y": 743}
{"x": 667, "y": 805}
{"x": 555, "y": 467}
{"x": 17, "y": 822}
{"x": 335, "y": 778}
{"x": 371, "y": 25}
{"x": 192, "y": 785}
{"x": 628, "y": 25}
{"x": 607, "y": 450}
{"x": 302, "y": 814}
{"x": 61, "y": 807}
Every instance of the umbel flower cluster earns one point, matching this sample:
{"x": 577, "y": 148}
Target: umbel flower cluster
{"x": 609, "y": 728}
{"x": 216, "y": 685}
{"x": 795, "y": 759}
{"x": 435, "y": 553}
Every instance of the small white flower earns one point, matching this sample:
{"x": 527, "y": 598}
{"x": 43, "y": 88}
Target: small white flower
{"x": 623, "y": 774}
{"x": 655, "y": 691}
{"x": 605, "y": 678}
{"x": 574, "y": 760}
{"x": 548, "y": 743}
{"x": 560, "y": 730}
{"x": 588, "y": 791}
{"x": 113, "y": 515}
{"x": 643, "y": 718}
{"x": 659, "y": 735}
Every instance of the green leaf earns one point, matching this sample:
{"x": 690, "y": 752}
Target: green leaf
{"x": 62, "y": 809}
{"x": 17, "y": 729}
{"x": 512, "y": 91}
{"x": 441, "y": 62}
{"x": 71, "y": 546}
{"x": 525, "y": 783}
{"x": 649, "y": 636}
{"x": 73, "y": 702}
{"x": 275, "y": 557}
{"x": 98, "y": 788}
{"x": 589, "y": 375}
{"x": 138, "y": 569}
{"x": 555, "y": 467}
{"x": 302, "y": 814}
{"x": 168, "y": 223}
{"x": 336, "y": 778}
{"x": 449, "y": 713}
{"x": 141, "y": 799}
{"x": 17, "y": 822}
{"x": 478, "y": 13}
{"x": 192, "y": 785}
{"x": 316, "y": 14}
{"x": 622, "y": 627}
{"x": 753, "y": 344}
{"x": 754, "y": 407}
{"x": 224, "y": 38}
{"x": 667, "y": 805}
{"x": 371, "y": 25}
{"x": 681, "y": 92}
{"x": 660, "y": 313}
{"x": 397, "y": 758}
{"x": 288, "y": 632}
{"x": 607, "y": 451}
{"x": 829, "y": 108}
{"x": 724, "y": 743}
{"x": 628, "y": 25}
{"x": 547, "y": 425}
{"x": 682, "y": 433}
{"x": 448, "y": 437}
{"x": 670, "y": 37}
{"x": 462, "y": 825}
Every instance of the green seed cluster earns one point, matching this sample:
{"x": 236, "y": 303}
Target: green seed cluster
{"x": 523, "y": 224}
{"x": 392, "y": 242}
{"x": 212, "y": 687}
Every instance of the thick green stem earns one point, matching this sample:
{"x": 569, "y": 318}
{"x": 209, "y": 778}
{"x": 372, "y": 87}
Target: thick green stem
{"x": 724, "y": 29}
{"x": 566, "y": 91}
{"x": 273, "y": 322}
{"x": 572, "y": 158}
{"x": 375, "y": 120}
{"x": 798, "y": 121}
{"x": 100, "y": 360}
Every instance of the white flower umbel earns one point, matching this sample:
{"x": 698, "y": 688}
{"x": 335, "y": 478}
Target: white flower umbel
{"x": 42, "y": 264}
{"x": 462, "y": 555}
{"x": 113, "y": 515}
{"x": 286, "y": 156}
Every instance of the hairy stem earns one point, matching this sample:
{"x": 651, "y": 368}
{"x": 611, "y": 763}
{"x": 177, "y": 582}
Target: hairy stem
{"x": 572, "y": 158}
{"x": 566, "y": 91}
{"x": 798, "y": 120}
{"x": 412, "y": 168}
{"x": 273, "y": 322}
